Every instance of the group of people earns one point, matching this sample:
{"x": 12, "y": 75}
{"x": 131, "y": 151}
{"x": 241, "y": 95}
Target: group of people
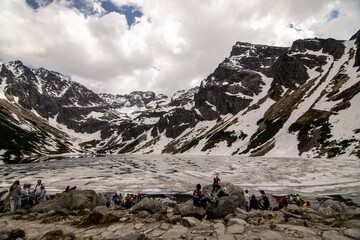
{"x": 201, "y": 200}
{"x": 124, "y": 202}
{"x": 25, "y": 196}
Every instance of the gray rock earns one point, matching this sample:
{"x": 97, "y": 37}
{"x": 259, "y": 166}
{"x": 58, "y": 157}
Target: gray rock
{"x": 219, "y": 228}
{"x": 292, "y": 208}
{"x": 352, "y": 224}
{"x": 353, "y": 232}
{"x": 150, "y": 205}
{"x": 135, "y": 236}
{"x": 189, "y": 221}
{"x": 295, "y": 231}
{"x": 234, "y": 221}
{"x": 74, "y": 200}
{"x": 235, "y": 229}
{"x": 233, "y": 191}
{"x": 225, "y": 206}
{"x": 189, "y": 210}
{"x": 334, "y": 235}
{"x": 175, "y": 232}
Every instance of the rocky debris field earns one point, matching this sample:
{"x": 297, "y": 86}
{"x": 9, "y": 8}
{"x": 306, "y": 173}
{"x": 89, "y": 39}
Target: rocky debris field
{"x": 82, "y": 215}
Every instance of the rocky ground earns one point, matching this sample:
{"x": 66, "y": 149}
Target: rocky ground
{"x": 81, "y": 215}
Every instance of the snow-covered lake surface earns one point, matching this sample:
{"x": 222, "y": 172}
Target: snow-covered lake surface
{"x": 170, "y": 174}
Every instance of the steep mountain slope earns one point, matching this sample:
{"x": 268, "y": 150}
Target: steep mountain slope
{"x": 261, "y": 101}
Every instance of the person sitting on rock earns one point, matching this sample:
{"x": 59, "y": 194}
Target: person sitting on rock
{"x": 264, "y": 203}
{"x": 254, "y": 203}
{"x": 67, "y": 189}
{"x": 200, "y": 199}
{"x": 221, "y": 193}
{"x": 216, "y": 184}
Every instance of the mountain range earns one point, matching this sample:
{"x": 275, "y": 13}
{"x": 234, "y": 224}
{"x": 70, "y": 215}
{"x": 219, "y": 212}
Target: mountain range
{"x": 297, "y": 101}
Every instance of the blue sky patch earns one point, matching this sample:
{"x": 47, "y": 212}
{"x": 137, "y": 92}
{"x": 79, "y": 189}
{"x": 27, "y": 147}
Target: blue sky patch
{"x": 131, "y": 12}
{"x": 333, "y": 15}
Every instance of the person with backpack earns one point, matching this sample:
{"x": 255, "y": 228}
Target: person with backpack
{"x": 221, "y": 193}
{"x": 254, "y": 203}
{"x": 264, "y": 203}
{"x": 200, "y": 199}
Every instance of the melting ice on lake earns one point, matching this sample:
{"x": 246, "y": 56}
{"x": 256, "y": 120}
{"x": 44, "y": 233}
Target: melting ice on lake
{"x": 172, "y": 174}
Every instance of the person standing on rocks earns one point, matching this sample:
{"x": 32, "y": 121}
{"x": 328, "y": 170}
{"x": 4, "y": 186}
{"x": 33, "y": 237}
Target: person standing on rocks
{"x": 15, "y": 193}
{"x": 42, "y": 196}
{"x": 247, "y": 200}
{"x": 264, "y": 203}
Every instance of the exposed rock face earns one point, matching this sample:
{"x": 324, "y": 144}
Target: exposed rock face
{"x": 149, "y": 205}
{"x": 77, "y": 199}
{"x": 253, "y": 102}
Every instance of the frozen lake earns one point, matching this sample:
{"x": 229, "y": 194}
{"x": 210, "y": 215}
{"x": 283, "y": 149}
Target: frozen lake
{"x": 170, "y": 174}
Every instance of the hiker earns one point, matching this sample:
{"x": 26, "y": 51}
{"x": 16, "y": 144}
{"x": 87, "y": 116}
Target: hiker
{"x": 26, "y": 196}
{"x": 263, "y": 201}
{"x": 247, "y": 200}
{"x": 67, "y": 189}
{"x": 200, "y": 199}
{"x": 115, "y": 198}
{"x": 306, "y": 204}
{"x": 37, "y": 189}
{"x": 216, "y": 184}
{"x": 15, "y": 193}
{"x": 42, "y": 196}
{"x": 298, "y": 200}
{"x": 127, "y": 201}
{"x": 283, "y": 202}
{"x": 73, "y": 188}
{"x": 108, "y": 201}
{"x": 254, "y": 203}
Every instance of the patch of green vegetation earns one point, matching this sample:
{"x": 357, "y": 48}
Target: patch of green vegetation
{"x": 220, "y": 136}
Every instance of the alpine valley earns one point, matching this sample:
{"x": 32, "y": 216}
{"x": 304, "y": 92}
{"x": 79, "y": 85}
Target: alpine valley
{"x": 298, "y": 101}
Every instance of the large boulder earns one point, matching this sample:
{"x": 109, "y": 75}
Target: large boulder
{"x": 187, "y": 209}
{"x": 150, "y": 205}
{"x": 232, "y": 190}
{"x": 74, "y": 200}
{"x": 225, "y": 206}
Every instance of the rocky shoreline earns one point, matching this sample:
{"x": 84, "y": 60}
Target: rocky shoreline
{"x": 81, "y": 214}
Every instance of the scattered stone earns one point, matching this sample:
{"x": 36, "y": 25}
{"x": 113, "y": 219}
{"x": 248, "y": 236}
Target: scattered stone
{"x": 150, "y": 205}
{"x": 334, "y": 235}
{"x": 236, "y": 221}
{"x": 175, "y": 232}
{"x": 235, "y": 229}
{"x": 353, "y": 232}
{"x": 189, "y": 221}
{"x": 135, "y": 236}
{"x": 189, "y": 210}
{"x": 219, "y": 228}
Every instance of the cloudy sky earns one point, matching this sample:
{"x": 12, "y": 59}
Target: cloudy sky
{"x": 118, "y": 46}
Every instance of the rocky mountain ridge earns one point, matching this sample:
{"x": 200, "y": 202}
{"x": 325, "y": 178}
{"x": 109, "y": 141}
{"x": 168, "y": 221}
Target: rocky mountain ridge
{"x": 297, "y": 101}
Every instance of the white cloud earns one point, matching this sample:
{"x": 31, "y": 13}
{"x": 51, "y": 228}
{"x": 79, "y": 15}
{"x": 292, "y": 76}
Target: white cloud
{"x": 174, "y": 45}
